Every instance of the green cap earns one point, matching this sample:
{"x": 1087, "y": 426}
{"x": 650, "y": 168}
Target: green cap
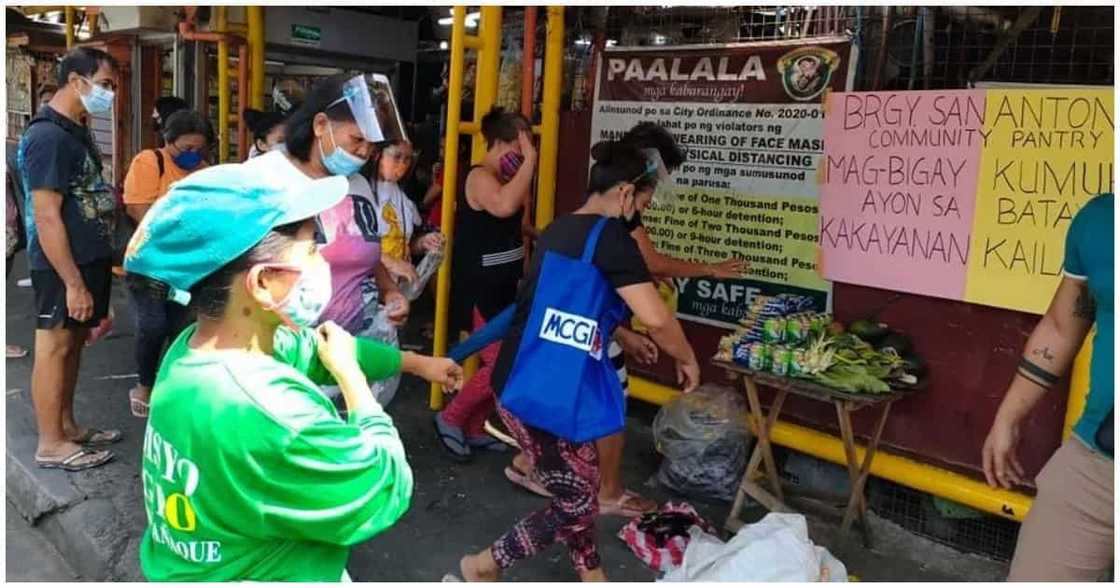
{"x": 215, "y": 215}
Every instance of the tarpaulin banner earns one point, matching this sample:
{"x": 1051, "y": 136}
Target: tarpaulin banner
{"x": 751, "y": 120}
{"x": 961, "y": 194}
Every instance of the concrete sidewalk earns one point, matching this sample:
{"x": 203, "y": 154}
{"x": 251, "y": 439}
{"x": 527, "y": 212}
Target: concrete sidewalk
{"x": 96, "y": 518}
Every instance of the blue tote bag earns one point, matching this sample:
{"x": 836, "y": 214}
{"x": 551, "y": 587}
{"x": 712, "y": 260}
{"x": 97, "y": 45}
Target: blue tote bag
{"x": 562, "y": 380}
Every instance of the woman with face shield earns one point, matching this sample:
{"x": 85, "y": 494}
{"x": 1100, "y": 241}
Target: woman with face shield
{"x": 333, "y": 133}
{"x": 558, "y": 392}
{"x": 249, "y": 473}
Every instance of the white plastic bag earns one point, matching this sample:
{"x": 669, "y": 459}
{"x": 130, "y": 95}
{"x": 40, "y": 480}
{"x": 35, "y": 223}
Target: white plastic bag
{"x": 384, "y": 331}
{"x": 427, "y": 268}
{"x": 775, "y": 549}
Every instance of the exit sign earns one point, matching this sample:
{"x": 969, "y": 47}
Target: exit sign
{"x": 306, "y": 36}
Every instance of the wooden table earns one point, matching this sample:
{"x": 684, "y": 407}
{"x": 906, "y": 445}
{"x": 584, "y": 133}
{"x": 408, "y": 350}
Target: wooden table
{"x": 763, "y": 454}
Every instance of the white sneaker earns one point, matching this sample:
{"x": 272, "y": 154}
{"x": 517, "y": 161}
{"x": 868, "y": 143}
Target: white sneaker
{"x": 24, "y": 283}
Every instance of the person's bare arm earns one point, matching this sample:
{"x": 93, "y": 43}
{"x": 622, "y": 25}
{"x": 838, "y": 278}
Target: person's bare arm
{"x": 1049, "y": 353}
{"x": 665, "y": 330}
{"x": 47, "y": 209}
{"x": 391, "y": 295}
{"x": 664, "y": 266}
{"x": 504, "y": 200}
{"x": 137, "y": 211}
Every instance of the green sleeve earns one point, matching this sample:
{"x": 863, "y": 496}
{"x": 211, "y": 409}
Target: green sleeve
{"x": 299, "y": 350}
{"x": 335, "y": 482}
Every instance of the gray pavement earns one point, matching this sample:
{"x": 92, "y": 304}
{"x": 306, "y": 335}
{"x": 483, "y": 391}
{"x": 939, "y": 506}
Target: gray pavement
{"x": 30, "y": 557}
{"x": 95, "y": 519}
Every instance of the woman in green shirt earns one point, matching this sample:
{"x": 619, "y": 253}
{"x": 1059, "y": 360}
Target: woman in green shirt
{"x": 249, "y": 472}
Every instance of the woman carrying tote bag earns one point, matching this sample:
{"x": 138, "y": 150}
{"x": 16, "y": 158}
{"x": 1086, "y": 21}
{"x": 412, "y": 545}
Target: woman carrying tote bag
{"x": 558, "y": 391}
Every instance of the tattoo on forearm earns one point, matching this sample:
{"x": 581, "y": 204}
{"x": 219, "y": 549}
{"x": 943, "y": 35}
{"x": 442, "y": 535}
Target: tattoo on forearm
{"x": 1044, "y": 353}
{"x": 1031, "y": 371}
{"x": 1034, "y": 380}
{"x": 1085, "y": 308}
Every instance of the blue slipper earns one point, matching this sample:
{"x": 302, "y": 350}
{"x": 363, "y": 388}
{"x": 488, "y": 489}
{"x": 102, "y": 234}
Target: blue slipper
{"x": 487, "y": 443}
{"x": 452, "y": 439}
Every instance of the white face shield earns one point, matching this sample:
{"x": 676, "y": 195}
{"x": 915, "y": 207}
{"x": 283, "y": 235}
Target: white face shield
{"x": 370, "y": 99}
{"x": 665, "y": 192}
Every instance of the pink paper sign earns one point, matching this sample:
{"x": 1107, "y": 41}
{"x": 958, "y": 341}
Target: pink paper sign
{"x": 899, "y": 188}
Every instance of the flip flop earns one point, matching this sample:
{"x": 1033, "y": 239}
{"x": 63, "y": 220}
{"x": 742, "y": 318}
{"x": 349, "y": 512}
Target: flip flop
{"x": 499, "y": 433}
{"x": 137, "y": 407}
{"x": 99, "y": 438}
{"x": 487, "y": 443}
{"x": 620, "y": 508}
{"x": 526, "y": 481}
{"x": 452, "y": 439}
{"x": 68, "y": 463}
{"x": 16, "y": 352}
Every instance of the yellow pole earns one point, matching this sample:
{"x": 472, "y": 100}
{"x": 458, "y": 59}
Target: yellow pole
{"x": 910, "y": 473}
{"x": 550, "y": 116}
{"x": 256, "y": 56}
{"x": 450, "y": 174}
{"x": 1078, "y": 385}
{"x": 223, "y": 88}
{"x": 69, "y": 13}
{"x": 486, "y": 81}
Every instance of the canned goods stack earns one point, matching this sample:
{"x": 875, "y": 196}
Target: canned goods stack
{"x": 773, "y": 328}
{"x": 797, "y": 363}
{"x": 779, "y": 360}
{"x": 758, "y": 356}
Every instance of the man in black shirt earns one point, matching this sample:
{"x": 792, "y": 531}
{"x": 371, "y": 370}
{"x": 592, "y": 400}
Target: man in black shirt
{"x": 69, "y": 220}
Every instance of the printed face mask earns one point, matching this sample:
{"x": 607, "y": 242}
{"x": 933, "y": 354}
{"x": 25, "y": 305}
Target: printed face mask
{"x": 508, "y": 165}
{"x": 308, "y": 297}
{"x": 98, "y": 100}
{"x": 340, "y": 162}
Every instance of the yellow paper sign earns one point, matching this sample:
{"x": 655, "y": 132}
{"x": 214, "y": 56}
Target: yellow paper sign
{"x": 1046, "y": 153}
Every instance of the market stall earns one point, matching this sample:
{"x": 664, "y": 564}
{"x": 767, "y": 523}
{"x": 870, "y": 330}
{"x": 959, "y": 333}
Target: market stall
{"x": 805, "y": 354}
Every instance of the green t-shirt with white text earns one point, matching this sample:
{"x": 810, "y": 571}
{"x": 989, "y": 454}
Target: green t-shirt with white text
{"x": 250, "y": 474}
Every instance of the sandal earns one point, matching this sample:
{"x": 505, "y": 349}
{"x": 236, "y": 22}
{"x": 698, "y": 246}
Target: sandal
{"x": 487, "y": 443}
{"x": 498, "y": 431}
{"x": 623, "y": 507}
{"x": 137, "y": 407}
{"x": 74, "y": 462}
{"x": 16, "y": 352}
{"x": 452, "y": 439}
{"x": 527, "y": 481}
{"x": 99, "y": 438}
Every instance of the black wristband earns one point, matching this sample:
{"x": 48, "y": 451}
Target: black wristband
{"x": 1036, "y": 373}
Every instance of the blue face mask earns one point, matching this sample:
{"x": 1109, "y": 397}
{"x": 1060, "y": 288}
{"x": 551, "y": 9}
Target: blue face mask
{"x": 98, "y": 101}
{"x": 339, "y": 162}
{"x": 187, "y": 160}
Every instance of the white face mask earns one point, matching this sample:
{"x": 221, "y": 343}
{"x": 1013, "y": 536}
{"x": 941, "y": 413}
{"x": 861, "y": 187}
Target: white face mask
{"x": 308, "y": 297}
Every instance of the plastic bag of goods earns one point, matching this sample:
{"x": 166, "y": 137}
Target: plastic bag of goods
{"x": 385, "y": 331}
{"x": 775, "y": 549}
{"x": 427, "y": 268}
{"x": 705, "y": 441}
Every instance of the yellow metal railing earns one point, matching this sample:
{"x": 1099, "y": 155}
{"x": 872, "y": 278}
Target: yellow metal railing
{"x": 488, "y": 46}
{"x": 224, "y": 99}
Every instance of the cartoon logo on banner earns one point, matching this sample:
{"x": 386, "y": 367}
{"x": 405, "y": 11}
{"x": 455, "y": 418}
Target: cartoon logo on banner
{"x": 807, "y": 71}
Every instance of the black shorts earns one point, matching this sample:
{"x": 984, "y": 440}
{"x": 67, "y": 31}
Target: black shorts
{"x": 50, "y": 295}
